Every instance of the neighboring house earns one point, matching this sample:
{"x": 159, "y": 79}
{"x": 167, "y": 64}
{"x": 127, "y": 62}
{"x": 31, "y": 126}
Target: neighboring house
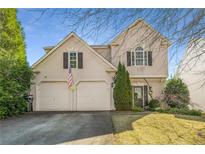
{"x": 192, "y": 71}
{"x": 141, "y": 48}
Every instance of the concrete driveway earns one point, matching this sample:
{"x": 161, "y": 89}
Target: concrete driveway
{"x": 55, "y": 127}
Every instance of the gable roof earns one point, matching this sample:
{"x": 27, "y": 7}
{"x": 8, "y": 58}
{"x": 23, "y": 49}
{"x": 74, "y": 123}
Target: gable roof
{"x": 82, "y": 41}
{"x": 134, "y": 24}
{"x": 91, "y": 47}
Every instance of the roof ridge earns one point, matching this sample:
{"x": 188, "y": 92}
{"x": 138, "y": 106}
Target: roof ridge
{"x": 134, "y": 23}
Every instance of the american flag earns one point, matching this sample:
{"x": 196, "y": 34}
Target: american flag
{"x": 70, "y": 78}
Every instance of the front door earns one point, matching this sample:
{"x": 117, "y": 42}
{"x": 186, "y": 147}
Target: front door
{"x": 138, "y": 96}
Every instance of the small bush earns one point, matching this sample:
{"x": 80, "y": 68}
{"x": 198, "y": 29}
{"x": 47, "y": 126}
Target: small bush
{"x": 176, "y": 93}
{"x": 137, "y": 109}
{"x": 3, "y": 112}
{"x": 154, "y": 103}
{"x": 184, "y": 111}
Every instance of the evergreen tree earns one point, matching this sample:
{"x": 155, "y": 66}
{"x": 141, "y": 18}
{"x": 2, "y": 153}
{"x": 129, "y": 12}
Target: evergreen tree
{"x": 15, "y": 73}
{"x": 11, "y": 34}
{"x": 128, "y": 90}
{"x": 118, "y": 84}
{"x": 122, "y": 91}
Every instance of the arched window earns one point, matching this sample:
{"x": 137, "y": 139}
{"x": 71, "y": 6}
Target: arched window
{"x": 138, "y": 57}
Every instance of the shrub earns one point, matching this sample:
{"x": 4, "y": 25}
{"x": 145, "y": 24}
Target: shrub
{"x": 3, "y": 112}
{"x": 176, "y": 93}
{"x": 154, "y": 103}
{"x": 184, "y": 111}
{"x": 122, "y": 91}
{"x": 190, "y": 112}
{"x": 137, "y": 109}
{"x": 164, "y": 105}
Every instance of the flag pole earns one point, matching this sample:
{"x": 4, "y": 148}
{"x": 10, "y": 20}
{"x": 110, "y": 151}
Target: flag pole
{"x": 71, "y": 85}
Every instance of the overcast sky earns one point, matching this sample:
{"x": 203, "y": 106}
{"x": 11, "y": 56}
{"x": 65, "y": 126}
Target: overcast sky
{"x": 48, "y": 31}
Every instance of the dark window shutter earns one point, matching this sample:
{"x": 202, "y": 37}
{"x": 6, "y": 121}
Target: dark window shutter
{"x": 128, "y": 58}
{"x": 150, "y": 58}
{"x": 80, "y": 60}
{"x": 146, "y": 95}
{"x": 145, "y": 58}
{"x": 65, "y": 60}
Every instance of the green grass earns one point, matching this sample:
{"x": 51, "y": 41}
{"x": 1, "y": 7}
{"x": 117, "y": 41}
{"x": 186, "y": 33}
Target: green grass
{"x": 158, "y": 128}
{"x": 189, "y": 117}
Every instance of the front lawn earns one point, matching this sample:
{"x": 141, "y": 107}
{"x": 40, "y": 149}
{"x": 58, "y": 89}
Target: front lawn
{"x": 158, "y": 128}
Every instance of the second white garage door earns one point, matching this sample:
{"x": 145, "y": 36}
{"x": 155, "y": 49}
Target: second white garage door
{"x": 93, "y": 96}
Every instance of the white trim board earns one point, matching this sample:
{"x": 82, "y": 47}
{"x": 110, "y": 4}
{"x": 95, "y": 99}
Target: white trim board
{"x": 138, "y": 76}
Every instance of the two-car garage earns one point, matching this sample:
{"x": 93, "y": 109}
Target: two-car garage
{"x": 85, "y": 96}
{"x": 91, "y": 72}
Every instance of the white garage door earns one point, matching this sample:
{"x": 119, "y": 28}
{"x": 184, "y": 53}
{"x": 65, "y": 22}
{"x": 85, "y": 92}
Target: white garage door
{"x": 92, "y": 96}
{"x": 54, "y": 96}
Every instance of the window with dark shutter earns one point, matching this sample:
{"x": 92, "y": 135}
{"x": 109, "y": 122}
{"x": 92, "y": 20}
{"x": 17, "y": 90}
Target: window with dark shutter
{"x": 145, "y": 95}
{"x": 150, "y": 58}
{"x": 80, "y": 60}
{"x": 145, "y": 59}
{"x": 128, "y": 58}
{"x": 65, "y": 60}
{"x": 73, "y": 62}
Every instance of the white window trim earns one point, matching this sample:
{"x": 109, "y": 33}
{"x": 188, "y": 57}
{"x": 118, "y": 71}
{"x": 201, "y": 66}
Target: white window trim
{"x": 70, "y": 60}
{"x": 133, "y": 52}
{"x": 139, "y": 58}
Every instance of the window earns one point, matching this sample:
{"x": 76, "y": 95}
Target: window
{"x": 138, "y": 90}
{"x": 139, "y": 57}
{"x": 73, "y": 59}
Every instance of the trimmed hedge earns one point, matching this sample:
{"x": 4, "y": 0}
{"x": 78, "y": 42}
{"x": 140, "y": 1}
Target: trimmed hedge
{"x": 184, "y": 111}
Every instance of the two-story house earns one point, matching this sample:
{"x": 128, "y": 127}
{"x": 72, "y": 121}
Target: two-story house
{"x": 141, "y": 48}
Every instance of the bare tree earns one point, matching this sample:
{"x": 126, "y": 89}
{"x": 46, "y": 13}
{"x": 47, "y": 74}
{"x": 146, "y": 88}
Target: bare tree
{"x": 180, "y": 26}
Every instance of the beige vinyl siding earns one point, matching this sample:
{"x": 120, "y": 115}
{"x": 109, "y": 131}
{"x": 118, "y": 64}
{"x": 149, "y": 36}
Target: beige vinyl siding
{"x": 51, "y": 69}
